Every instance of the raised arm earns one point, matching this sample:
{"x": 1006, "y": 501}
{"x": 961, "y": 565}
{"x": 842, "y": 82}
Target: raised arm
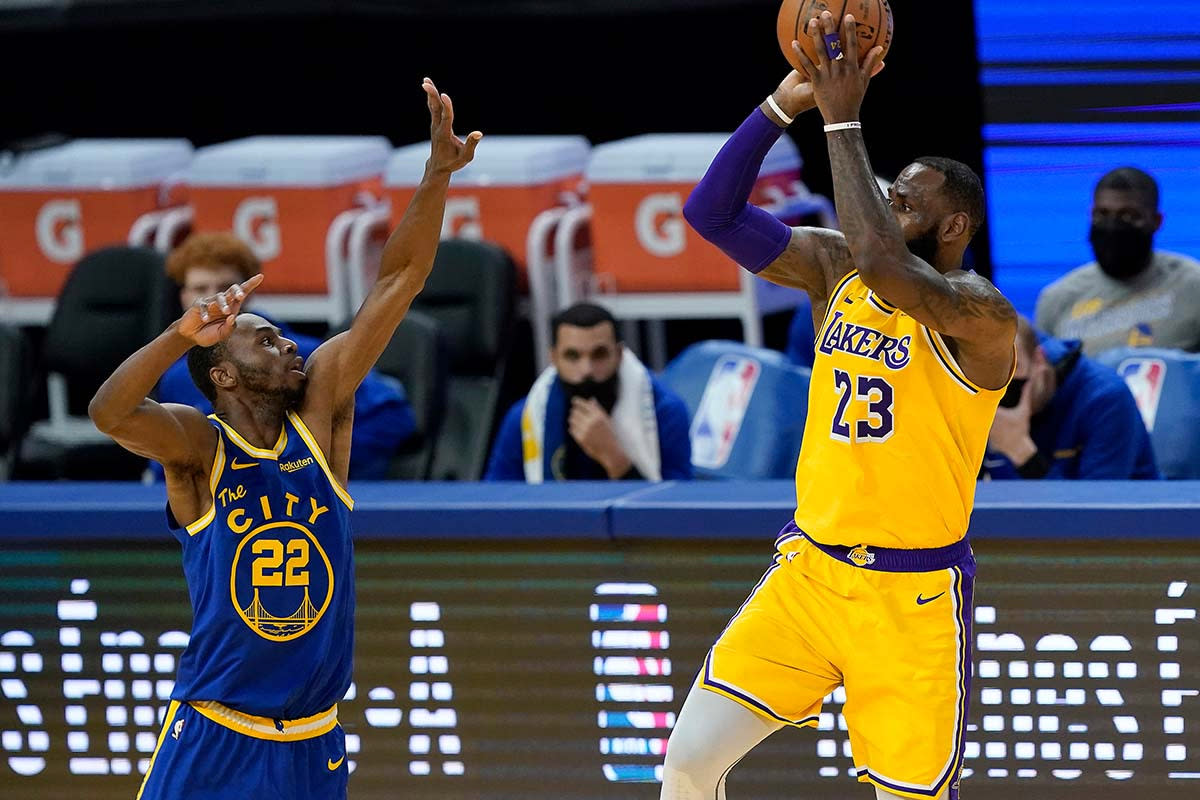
{"x": 169, "y": 433}
{"x": 718, "y": 209}
{"x": 959, "y": 304}
{"x": 339, "y": 365}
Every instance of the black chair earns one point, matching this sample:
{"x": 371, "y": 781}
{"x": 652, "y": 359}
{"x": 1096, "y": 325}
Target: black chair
{"x": 472, "y": 295}
{"x": 15, "y": 375}
{"x": 416, "y": 356}
{"x": 114, "y": 301}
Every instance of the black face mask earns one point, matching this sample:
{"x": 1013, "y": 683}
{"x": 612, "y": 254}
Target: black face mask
{"x": 1012, "y": 396}
{"x": 1122, "y": 250}
{"x": 925, "y": 246}
{"x": 604, "y": 392}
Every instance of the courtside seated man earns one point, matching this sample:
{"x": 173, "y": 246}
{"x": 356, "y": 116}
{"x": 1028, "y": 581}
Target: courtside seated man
{"x": 256, "y": 496}
{"x": 871, "y": 586}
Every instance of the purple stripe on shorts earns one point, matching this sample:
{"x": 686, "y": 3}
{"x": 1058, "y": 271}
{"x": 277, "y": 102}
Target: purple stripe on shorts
{"x": 888, "y": 559}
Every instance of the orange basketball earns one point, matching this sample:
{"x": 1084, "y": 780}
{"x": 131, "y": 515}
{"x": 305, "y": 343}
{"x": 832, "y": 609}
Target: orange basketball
{"x": 873, "y": 18}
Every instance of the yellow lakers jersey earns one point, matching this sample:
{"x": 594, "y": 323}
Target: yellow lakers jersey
{"x": 895, "y": 431}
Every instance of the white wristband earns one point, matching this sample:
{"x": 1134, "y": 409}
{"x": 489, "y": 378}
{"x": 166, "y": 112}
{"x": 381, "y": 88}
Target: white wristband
{"x": 779, "y": 111}
{"x": 842, "y": 126}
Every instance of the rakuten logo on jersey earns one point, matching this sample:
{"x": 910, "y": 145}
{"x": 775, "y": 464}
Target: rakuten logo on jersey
{"x": 59, "y": 230}
{"x": 659, "y": 225}
{"x": 256, "y": 222}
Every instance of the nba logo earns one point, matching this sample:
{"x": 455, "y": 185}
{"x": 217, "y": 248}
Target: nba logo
{"x": 722, "y": 409}
{"x": 1144, "y": 377}
{"x": 177, "y": 729}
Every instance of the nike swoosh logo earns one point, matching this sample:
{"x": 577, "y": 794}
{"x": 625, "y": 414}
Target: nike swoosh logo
{"x": 335, "y": 764}
{"x": 923, "y": 600}
{"x": 236, "y": 465}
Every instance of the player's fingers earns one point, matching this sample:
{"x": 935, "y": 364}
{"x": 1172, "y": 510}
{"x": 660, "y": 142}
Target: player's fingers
{"x": 807, "y": 68}
{"x": 472, "y": 142}
{"x": 850, "y": 38}
{"x": 448, "y": 114}
{"x": 818, "y": 40}
{"x": 250, "y": 284}
{"x": 873, "y": 63}
{"x": 433, "y": 101}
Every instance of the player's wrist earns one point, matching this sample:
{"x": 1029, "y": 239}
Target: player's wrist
{"x": 786, "y": 106}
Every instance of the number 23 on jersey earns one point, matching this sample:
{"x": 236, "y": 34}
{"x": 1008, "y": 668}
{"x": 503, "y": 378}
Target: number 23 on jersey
{"x": 864, "y": 410}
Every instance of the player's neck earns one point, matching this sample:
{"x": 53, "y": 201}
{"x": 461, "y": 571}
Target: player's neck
{"x": 257, "y": 422}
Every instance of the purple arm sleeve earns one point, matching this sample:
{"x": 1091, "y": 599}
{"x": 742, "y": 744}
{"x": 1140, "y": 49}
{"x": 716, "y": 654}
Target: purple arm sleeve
{"x": 718, "y": 207}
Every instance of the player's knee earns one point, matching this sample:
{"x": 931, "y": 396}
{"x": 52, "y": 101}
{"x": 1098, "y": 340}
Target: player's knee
{"x": 690, "y": 758}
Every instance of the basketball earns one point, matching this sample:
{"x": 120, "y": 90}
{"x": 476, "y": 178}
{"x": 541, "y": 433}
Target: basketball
{"x": 873, "y": 18}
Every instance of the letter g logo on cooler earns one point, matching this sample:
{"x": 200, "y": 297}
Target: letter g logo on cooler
{"x": 59, "y": 231}
{"x": 256, "y": 222}
{"x": 661, "y": 237}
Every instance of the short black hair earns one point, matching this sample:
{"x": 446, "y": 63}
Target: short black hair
{"x": 963, "y": 188}
{"x": 200, "y": 360}
{"x": 1131, "y": 179}
{"x": 582, "y": 315}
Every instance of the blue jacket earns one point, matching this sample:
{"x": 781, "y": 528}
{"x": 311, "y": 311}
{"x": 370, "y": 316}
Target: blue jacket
{"x": 1090, "y": 429}
{"x": 383, "y": 418}
{"x": 507, "y": 462}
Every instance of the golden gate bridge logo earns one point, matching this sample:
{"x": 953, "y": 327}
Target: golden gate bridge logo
{"x": 269, "y": 625}
{"x": 281, "y": 560}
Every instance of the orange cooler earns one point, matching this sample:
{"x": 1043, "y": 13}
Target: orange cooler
{"x": 280, "y": 194}
{"x": 637, "y": 188}
{"x": 59, "y": 203}
{"x": 496, "y": 197}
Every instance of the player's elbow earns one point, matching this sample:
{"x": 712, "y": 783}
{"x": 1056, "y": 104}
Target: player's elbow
{"x": 101, "y": 416}
{"x": 700, "y": 213}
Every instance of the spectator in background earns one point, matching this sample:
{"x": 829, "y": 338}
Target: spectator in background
{"x": 596, "y": 413}
{"x": 209, "y": 263}
{"x": 1065, "y": 416}
{"x": 1131, "y": 295}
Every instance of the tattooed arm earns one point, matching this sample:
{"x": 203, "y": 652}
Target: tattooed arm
{"x": 962, "y": 305}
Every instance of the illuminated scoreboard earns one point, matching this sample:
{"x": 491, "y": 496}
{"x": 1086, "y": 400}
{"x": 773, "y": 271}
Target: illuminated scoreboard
{"x": 555, "y": 667}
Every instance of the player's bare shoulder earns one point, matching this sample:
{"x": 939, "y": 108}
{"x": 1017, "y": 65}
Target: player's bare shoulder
{"x": 814, "y": 260}
{"x": 975, "y": 297}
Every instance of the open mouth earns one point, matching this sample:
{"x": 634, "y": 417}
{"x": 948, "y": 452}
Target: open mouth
{"x": 298, "y": 365}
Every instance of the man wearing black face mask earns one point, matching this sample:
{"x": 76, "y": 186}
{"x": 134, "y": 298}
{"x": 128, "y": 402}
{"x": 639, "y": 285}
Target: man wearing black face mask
{"x": 1065, "y": 416}
{"x": 596, "y": 414}
{"x": 1132, "y": 294}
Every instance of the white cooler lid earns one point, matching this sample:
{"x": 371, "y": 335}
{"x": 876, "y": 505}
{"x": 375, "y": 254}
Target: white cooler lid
{"x": 98, "y": 164}
{"x": 499, "y": 161}
{"x": 674, "y": 158}
{"x": 289, "y": 161}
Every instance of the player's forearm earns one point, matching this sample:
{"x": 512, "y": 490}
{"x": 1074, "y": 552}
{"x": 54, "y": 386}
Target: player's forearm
{"x": 125, "y": 389}
{"x": 718, "y": 208}
{"x": 408, "y": 255}
{"x": 872, "y": 233}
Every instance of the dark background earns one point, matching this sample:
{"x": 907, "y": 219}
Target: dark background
{"x": 605, "y": 69}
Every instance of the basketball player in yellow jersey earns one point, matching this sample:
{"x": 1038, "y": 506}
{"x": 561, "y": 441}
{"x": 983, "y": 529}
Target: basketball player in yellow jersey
{"x": 871, "y": 586}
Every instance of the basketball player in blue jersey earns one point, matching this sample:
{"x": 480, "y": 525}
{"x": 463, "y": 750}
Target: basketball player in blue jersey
{"x": 871, "y": 584}
{"x": 256, "y": 497}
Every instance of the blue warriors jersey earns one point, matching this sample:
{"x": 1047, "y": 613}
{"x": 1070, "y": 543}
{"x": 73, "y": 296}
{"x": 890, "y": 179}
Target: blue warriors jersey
{"x": 270, "y": 571}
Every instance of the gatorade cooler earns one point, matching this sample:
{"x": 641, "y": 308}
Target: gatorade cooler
{"x": 59, "y": 203}
{"x": 279, "y": 194}
{"x": 637, "y": 188}
{"x": 511, "y": 180}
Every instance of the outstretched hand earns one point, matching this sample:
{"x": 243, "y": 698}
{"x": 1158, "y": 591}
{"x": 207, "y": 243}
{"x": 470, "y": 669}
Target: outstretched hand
{"x": 448, "y": 153}
{"x": 838, "y": 85}
{"x": 211, "y": 319}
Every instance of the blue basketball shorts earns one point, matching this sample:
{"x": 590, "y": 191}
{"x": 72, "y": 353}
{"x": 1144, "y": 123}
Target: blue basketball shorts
{"x": 208, "y": 751}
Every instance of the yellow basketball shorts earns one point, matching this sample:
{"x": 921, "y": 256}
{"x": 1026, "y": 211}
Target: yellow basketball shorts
{"x": 892, "y": 626}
